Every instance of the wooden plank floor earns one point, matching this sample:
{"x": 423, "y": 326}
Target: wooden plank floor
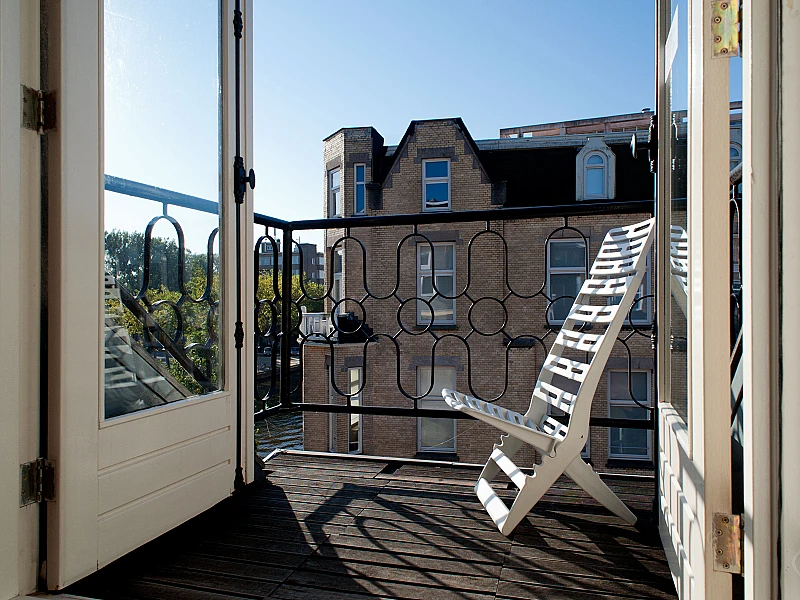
{"x": 334, "y": 528}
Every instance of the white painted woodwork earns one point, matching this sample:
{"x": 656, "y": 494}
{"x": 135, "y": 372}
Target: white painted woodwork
{"x": 789, "y": 111}
{"x": 618, "y": 271}
{"x": 760, "y": 310}
{"x": 694, "y": 466}
{"x": 19, "y": 295}
{"x": 123, "y": 481}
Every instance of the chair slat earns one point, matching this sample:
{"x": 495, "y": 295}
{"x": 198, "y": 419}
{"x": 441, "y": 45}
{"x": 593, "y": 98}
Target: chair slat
{"x": 571, "y": 369}
{"x": 555, "y": 396}
{"x": 577, "y": 340}
{"x": 612, "y": 286}
{"x": 585, "y": 313}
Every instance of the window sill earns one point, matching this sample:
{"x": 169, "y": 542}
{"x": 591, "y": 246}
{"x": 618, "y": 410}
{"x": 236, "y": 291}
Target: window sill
{"x": 630, "y": 463}
{"x": 436, "y": 209}
{"x": 442, "y": 327}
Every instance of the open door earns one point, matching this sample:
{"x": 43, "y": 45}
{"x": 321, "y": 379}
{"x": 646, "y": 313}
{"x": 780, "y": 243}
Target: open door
{"x": 694, "y": 458}
{"x": 146, "y": 423}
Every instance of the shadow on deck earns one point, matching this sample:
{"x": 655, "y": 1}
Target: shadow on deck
{"x": 336, "y": 527}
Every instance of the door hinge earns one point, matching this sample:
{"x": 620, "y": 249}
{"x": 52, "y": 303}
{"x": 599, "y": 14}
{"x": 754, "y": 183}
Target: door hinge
{"x": 725, "y": 28}
{"x": 38, "y": 110}
{"x": 37, "y": 482}
{"x": 727, "y": 535}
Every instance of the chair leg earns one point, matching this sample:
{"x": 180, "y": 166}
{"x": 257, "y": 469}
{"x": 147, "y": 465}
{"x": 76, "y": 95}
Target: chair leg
{"x": 509, "y": 446}
{"x": 584, "y": 476}
{"x": 536, "y": 486}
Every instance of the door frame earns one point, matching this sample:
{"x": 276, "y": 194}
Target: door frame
{"x": 694, "y": 469}
{"x": 76, "y": 218}
{"x": 20, "y": 295}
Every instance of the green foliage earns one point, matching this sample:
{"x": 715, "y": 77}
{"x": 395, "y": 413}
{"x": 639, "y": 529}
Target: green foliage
{"x": 124, "y": 259}
{"x": 266, "y": 291}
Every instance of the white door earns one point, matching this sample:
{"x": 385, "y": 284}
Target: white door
{"x": 143, "y": 395}
{"x": 694, "y": 459}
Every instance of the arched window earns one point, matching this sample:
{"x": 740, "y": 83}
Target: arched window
{"x": 736, "y": 156}
{"x": 595, "y": 177}
{"x": 595, "y": 165}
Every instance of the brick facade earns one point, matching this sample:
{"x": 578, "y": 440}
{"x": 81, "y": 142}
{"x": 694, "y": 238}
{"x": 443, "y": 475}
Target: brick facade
{"x": 479, "y": 253}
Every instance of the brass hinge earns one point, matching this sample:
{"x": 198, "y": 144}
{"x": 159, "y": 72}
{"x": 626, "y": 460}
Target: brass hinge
{"x": 38, "y": 110}
{"x": 727, "y": 535}
{"x": 725, "y": 28}
{"x": 37, "y": 482}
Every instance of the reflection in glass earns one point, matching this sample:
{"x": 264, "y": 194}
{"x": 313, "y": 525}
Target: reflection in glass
{"x": 162, "y": 261}
{"x": 678, "y": 82}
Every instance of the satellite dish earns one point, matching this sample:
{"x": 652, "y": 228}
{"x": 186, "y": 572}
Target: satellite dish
{"x": 633, "y": 145}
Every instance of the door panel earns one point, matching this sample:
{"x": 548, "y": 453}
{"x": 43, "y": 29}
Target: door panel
{"x": 694, "y": 383}
{"x": 144, "y": 415}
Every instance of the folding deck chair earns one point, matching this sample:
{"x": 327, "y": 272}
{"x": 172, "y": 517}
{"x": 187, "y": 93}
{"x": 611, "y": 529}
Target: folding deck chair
{"x": 567, "y": 384}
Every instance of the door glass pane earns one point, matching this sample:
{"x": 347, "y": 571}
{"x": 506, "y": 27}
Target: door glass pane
{"x": 677, "y": 146}
{"x": 162, "y": 145}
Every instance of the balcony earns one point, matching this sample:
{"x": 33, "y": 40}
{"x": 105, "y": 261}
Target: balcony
{"x": 340, "y": 527}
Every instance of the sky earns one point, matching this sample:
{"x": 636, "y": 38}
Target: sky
{"x": 319, "y": 66}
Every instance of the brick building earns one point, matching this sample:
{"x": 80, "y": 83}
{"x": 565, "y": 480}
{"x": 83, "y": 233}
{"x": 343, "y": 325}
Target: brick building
{"x": 305, "y": 259}
{"x": 490, "y": 289}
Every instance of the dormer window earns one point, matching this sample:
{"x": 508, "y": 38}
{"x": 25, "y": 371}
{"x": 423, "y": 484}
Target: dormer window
{"x": 594, "y": 171}
{"x": 595, "y": 180}
{"x": 436, "y": 184}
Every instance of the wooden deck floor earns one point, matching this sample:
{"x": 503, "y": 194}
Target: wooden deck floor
{"x": 340, "y": 528}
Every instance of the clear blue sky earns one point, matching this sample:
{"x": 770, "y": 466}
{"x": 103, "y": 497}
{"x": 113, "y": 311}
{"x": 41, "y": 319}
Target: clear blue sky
{"x": 320, "y": 66}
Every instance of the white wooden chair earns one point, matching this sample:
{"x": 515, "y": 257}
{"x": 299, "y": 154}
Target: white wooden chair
{"x": 566, "y": 383}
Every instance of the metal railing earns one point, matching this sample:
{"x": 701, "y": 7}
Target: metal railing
{"x": 280, "y": 320}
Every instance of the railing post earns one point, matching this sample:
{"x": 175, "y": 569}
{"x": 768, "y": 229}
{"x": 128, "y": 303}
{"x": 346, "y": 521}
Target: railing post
{"x": 286, "y": 318}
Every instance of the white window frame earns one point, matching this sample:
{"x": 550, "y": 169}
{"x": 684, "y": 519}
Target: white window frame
{"x": 430, "y": 402}
{"x": 611, "y": 402}
{"x": 595, "y": 146}
{"x": 359, "y": 184}
{"x": 335, "y": 202}
{"x": 356, "y": 400}
{"x": 437, "y": 273}
{"x": 589, "y": 167}
{"x": 427, "y": 180}
{"x": 337, "y": 281}
{"x": 564, "y": 270}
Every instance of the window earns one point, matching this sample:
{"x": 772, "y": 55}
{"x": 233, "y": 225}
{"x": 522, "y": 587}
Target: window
{"x": 566, "y": 271}
{"x": 360, "y": 190}
{"x": 439, "y": 264}
{"x": 354, "y": 379}
{"x": 595, "y": 166}
{"x": 435, "y": 435}
{"x": 629, "y": 444}
{"x": 436, "y": 184}
{"x": 736, "y": 156}
{"x": 640, "y": 314}
{"x": 595, "y": 177}
{"x": 295, "y": 259}
{"x": 337, "y": 291}
{"x": 334, "y": 192}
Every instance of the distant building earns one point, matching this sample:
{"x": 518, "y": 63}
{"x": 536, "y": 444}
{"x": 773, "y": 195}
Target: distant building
{"x": 306, "y": 261}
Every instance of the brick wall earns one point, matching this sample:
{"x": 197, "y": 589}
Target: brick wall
{"x": 390, "y": 250}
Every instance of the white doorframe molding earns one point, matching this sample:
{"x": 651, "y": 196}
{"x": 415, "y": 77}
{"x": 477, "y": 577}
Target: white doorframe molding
{"x": 788, "y": 195}
{"x": 74, "y": 218}
{"x": 760, "y": 311}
